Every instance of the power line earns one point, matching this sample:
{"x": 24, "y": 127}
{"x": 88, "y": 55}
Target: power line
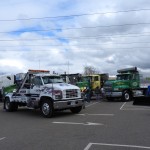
{"x": 64, "y": 45}
{"x": 75, "y": 15}
{"x": 79, "y": 37}
{"x": 78, "y": 28}
{"x": 121, "y": 48}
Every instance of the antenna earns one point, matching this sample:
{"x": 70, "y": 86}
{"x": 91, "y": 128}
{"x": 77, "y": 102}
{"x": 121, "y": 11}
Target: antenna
{"x": 39, "y": 64}
{"x": 68, "y": 67}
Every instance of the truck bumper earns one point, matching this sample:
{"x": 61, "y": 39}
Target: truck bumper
{"x": 65, "y": 104}
{"x": 113, "y": 94}
{"x": 138, "y": 93}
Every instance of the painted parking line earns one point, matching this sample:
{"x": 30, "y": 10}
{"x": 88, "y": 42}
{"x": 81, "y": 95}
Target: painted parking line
{"x": 122, "y": 106}
{"x": 140, "y": 109}
{"x": 129, "y": 106}
{"x": 77, "y": 123}
{"x": 2, "y": 138}
{"x": 115, "y": 145}
{"x": 86, "y": 114}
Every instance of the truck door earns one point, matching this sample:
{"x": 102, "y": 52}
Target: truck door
{"x": 135, "y": 80}
{"x": 36, "y": 85}
{"x": 96, "y": 82}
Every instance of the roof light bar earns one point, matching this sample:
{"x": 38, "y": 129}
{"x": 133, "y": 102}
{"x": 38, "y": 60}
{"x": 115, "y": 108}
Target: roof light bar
{"x": 38, "y": 71}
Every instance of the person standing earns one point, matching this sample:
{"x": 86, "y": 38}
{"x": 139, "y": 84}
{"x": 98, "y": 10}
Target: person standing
{"x": 88, "y": 94}
{"x": 97, "y": 93}
{"x": 103, "y": 93}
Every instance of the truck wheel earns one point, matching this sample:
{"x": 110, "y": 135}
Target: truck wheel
{"x": 76, "y": 110}
{"x": 15, "y": 107}
{"x": 47, "y": 109}
{"x": 126, "y": 96}
{"x": 10, "y": 106}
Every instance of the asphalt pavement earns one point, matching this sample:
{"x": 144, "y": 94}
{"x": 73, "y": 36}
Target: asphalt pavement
{"x": 100, "y": 126}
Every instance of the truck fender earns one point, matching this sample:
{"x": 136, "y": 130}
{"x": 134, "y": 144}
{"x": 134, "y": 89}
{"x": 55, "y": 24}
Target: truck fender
{"x": 45, "y": 98}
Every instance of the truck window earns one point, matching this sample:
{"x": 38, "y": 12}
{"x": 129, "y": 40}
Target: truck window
{"x": 37, "y": 81}
{"x": 96, "y": 78}
{"x": 123, "y": 77}
{"x": 27, "y": 84}
{"x": 136, "y": 76}
{"x": 52, "y": 79}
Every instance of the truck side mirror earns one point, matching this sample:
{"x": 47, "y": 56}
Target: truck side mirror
{"x": 14, "y": 91}
{"x": 8, "y": 77}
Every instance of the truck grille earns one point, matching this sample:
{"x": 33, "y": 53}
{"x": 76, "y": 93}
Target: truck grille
{"x": 71, "y": 93}
{"x": 108, "y": 89}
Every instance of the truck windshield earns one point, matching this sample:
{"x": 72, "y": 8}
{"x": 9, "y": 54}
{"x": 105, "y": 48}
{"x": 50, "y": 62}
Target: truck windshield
{"x": 86, "y": 79}
{"x": 123, "y": 77}
{"x": 52, "y": 79}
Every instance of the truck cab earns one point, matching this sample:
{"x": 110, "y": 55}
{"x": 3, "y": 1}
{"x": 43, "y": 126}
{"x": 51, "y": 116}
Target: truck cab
{"x": 45, "y": 91}
{"x": 92, "y": 81}
{"x": 126, "y": 82}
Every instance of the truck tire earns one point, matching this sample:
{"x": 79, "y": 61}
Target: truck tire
{"x": 110, "y": 98}
{"x": 76, "y": 110}
{"x": 126, "y": 96}
{"x": 15, "y": 106}
{"x": 47, "y": 109}
{"x": 10, "y": 106}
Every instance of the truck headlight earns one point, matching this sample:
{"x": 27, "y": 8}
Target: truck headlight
{"x": 116, "y": 89}
{"x": 58, "y": 94}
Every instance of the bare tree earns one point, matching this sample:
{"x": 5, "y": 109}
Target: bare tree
{"x": 88, "y": 70}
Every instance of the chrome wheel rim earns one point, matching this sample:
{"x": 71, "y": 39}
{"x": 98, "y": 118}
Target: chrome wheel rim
{"x": 45, "y": 109}
{"x": 127, "y": 97}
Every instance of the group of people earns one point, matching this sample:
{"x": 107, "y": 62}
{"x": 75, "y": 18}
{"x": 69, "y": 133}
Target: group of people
{"x": 99, "y": 93}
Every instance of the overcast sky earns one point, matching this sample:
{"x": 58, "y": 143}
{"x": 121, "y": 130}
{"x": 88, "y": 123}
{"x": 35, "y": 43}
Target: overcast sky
{"x": 66, "y": 35}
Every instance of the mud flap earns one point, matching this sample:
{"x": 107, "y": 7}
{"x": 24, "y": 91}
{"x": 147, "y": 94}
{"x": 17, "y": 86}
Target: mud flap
{"x": 141, "y": 101}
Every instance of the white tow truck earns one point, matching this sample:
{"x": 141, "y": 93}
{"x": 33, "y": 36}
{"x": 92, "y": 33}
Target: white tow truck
{"x": 44, "y": 91}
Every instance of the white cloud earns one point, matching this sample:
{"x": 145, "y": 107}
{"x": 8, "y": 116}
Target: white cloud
{"x": 107, "y": 48}
{"x": 11, "y": 63}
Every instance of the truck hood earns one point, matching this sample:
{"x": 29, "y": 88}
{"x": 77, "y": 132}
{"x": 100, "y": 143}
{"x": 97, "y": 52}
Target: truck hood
{"x": 121, "y": 83}
{"x": 117, "y": 83}
{"x": 109, "y": 83}
{"x": 61, "y": 86}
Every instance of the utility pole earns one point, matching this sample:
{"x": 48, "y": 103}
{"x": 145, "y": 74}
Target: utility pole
{"x": 39, "y": 64}
{"x": 68, "y": 67}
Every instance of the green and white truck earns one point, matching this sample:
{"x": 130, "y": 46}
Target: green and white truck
{"x": 128, "y": 84}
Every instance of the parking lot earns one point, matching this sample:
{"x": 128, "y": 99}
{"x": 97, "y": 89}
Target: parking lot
{"x": 101, "y": 125}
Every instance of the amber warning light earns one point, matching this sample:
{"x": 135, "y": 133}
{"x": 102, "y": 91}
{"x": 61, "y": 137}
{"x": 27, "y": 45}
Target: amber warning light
{"x": 38, "y": 71}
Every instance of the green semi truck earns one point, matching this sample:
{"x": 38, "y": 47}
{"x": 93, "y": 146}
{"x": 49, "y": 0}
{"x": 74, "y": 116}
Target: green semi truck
{"x": 128, "y": 84}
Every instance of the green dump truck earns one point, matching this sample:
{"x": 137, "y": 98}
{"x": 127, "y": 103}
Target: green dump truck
{"x": 128, "y": 84}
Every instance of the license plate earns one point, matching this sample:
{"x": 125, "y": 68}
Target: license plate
{"x": 73, "y": 103}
